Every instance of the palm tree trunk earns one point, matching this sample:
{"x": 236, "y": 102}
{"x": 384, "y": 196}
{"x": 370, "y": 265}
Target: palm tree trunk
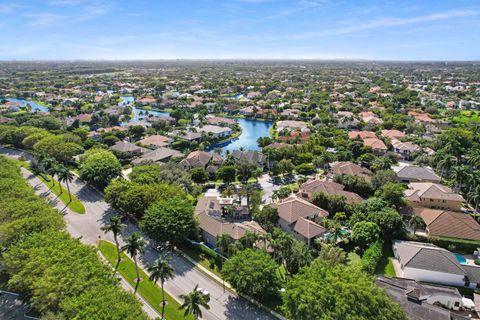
{"x": 69, "y": 193}
{"x": 136, "y": 270}
{"x": 163, "y": 301}
{"x": 119, "y": 258}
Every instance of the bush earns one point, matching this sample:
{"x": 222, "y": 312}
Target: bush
{"x": 477, "y": 261}
{"x": 462, "y": 246}
{"x": 372, "y": 256}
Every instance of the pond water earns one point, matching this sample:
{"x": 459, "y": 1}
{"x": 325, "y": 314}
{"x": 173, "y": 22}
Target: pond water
{"x": 251, "y": 130}
{"x": 141, "y": 114}
{"x": 126, "y": 100}
{"x": 24, "y": 102}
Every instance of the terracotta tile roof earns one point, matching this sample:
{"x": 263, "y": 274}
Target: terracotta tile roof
{"x": 393, "y": 134}
{"x": 349, "y": 168}
{"x": 361, "y": 134}
{"x": 329, "y": 188}
{"x": 375, "y": 143}
{"x": 308, "y": 229}
{"x": 293, "y": 208}
{"x": 430, "y": 190}
{"x": 449, "y": 224}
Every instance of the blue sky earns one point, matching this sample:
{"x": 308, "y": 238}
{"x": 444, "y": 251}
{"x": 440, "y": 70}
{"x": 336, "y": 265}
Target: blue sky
{"x": 266, "y": 29}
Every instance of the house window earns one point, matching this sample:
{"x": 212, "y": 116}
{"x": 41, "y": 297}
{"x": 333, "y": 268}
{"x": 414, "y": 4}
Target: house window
{"x": 457, "y": 304}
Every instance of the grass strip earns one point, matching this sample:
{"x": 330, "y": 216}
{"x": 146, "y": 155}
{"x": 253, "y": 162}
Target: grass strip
{"x": 147, "y": 289}
{"x": 75, "y": 205}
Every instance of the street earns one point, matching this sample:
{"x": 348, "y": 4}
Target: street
{"x": 87, "y": 227}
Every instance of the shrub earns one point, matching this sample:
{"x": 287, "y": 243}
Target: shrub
{"x": 372, "y": 257}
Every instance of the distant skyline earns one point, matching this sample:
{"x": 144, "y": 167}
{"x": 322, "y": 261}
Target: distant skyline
{"x": 240, "y": 29}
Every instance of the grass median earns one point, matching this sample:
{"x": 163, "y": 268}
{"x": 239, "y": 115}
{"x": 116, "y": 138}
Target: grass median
{"x": 75, "y": 205}
{"x": 147, "y": 289}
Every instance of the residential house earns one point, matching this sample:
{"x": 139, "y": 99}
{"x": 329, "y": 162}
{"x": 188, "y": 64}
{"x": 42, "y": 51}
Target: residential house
{"x": 376, "y": 144}
{"x": 201, "y": 159}
{"x": 393, "y": 134}
{"x": 220, "y": 121}
{"x": 426, "y": 262}
{"x": 361, "y": 134}
{"x": 432, "y": 195}
{"x": 155, "y": 141}
{"x": 216, "y": 131}
{"x": 310, "y": 187}
{"x": 291, "y": 125}
{"x": 295, "y": 216}
{"x": 370, "y": 119}
{"x": 416, "y": 174}
{"x": 405, "y": 149}
{"x": 214, "y": 220}
{"x": 351, "y": 169}
{"x": 421, "y": 301}
{"x": 254, "y": 157}
{"x": 188, "y": 135}
{"x": 346, "y": 120}
{"x": 161, "y": 154}
{"x": 126, "y": 148}
{"x": 149, "y": 100}
{"x": 444, "y": 223}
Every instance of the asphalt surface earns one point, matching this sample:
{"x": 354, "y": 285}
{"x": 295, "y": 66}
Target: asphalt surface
{"x": 87, "y": 227}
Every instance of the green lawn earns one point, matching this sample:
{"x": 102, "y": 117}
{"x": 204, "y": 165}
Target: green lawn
{"x": 385, "y": 266}
{"x": 353, "y": 259}
{"x": 62, "y": 193}
{"x": 467, "y": 116}
{"x": 147, "y": 289}
{"x": 199, "y": 255}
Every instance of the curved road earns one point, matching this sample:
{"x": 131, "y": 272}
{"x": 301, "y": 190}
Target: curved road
{"x": 223, "y": 303}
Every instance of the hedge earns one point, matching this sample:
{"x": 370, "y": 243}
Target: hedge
{"x": 52, "y": 271}
{"x": 372, "y": 256}
{"x": 462, "y": 246}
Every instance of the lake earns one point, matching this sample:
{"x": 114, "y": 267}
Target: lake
{"x": 251, "y": 131}
{"x": 141, "y": 114}
{"x": 24, "y": 102}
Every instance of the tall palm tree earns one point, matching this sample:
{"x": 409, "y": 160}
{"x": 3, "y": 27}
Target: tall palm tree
{"x": 416, "y": 222}
{"x": 50, "y": 166}
{"x": 66, "y": 176}
{"x": 161, "y": 270}
{"x": 223, "y": 241}
{"x": 115, "y": 226}
{"x": 134, "y": 245}
{"x": 193, "y": 301}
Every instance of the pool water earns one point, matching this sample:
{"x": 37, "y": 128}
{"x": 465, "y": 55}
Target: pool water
{"x": 461, "y": 259}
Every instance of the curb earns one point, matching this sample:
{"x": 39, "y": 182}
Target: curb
{"x": 228, "y": 286}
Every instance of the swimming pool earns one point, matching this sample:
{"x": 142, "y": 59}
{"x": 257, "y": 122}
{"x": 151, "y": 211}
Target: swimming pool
{"x": 461, "y": 259}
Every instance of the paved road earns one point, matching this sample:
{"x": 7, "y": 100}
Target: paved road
{"x": 87, "y": 227}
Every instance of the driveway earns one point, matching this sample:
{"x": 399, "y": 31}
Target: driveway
{"x": 87, "y": 227}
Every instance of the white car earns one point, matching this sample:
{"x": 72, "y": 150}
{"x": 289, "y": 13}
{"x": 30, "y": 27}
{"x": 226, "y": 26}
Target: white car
{"x": 204, "y": 291}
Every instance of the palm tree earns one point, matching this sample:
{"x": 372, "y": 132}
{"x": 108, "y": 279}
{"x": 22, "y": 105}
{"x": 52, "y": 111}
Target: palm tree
{"x": 223, "y": 241}
{"x": 275, "y": 195}
{"x": 66, "y": 176}
{"x": 193, "y": 301}
{"x": 50, "y": 166}
{"x": 474, "y": 196}
{"x": 416, "y": 222}
{"x": 115, "y": 226}
{"x": 134, "y": 245}
{"x": 161, "y": 270}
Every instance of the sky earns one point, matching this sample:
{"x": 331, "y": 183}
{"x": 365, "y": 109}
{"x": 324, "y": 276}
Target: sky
{"x": 240, "y": 29}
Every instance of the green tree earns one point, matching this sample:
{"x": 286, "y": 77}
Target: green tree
{"x": 226, "y": 173}
{"x": 199, "y": 175}
{"x": 365, "y": 233}
{"x": 169, "y": 220}
{"x": 66, "y": 176}
{"x": 134, "y": 245}
{"x": 99, "y": 168}
{"x": 193, "y": 301}
{"x": 267, "y": 217}
{"x": 416, "y": 222}
{"x": 145, "y": 174}
{"x": 323, "y": 292}
{"x": 252, "y": 272}
{"x": 115, "y": 226}
{"x": 163, "y": 271}
{"x": 392, "y": 193}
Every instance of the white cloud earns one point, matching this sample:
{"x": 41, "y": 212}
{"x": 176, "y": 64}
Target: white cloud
{"x": 387, "y": 22}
